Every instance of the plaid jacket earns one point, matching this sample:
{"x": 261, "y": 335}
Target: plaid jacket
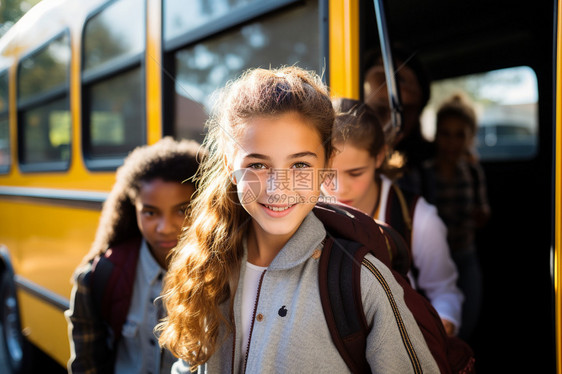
{"x": 93, "y": 337}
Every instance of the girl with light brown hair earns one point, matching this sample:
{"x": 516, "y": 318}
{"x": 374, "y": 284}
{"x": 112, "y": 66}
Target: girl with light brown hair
{"x": 242, "y": 287}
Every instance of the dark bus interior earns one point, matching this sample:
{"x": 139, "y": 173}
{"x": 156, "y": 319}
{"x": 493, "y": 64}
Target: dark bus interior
{"x": 453, "y": 38}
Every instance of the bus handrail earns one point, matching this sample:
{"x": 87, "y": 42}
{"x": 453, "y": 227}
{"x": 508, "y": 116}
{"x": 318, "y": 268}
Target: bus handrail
{"x": 391, "y": 84}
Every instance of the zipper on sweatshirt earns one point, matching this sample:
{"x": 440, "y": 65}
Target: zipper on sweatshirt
{"x": 233, "y": 345}
{"x": 252, "y": 324}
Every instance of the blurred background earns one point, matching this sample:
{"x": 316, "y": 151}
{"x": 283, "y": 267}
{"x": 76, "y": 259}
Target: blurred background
{"x": 83, "y": 82}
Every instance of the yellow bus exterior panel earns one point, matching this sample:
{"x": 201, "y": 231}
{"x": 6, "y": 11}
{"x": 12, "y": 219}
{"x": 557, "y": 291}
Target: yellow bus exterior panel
{"x": 45, "y": 326}
{"x": 60, "y": 237}
{"x": 558, "y": 195}
{"x": 76, "y": 180}
{"x": 344, "y": 48}
{"x": 47, "y": 242}
{"x": 154, "y": 72}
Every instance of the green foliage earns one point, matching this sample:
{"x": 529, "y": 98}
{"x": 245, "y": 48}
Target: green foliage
{"x": 11, "y": 11}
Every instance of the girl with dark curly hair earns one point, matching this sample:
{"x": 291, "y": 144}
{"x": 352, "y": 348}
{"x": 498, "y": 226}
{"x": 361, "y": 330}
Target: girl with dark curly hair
{"x": 113, "y": 310}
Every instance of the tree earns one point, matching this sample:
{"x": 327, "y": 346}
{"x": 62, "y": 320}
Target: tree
{"x": 11, "y": 11}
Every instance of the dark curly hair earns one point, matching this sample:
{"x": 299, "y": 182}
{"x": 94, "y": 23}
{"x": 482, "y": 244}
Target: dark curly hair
{"x": 169, "y": 160}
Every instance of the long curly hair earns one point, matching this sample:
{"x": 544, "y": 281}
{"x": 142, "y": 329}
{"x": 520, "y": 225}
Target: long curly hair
{"x": 204, "y": 268}
{"x": 167, "y": 159}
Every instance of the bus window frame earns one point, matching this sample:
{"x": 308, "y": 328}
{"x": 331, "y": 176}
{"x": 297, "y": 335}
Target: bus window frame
{"x": 243, "y": 16}
{"x": 36, "y": 101}
{"x": 5, "y": 115}
{"x": 103, "y": 73}
{"x": 236, "y": 18}
{"x": 537, "y": 128}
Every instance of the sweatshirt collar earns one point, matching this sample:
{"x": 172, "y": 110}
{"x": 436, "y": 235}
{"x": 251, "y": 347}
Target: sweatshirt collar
{"x": 301, "y": 245}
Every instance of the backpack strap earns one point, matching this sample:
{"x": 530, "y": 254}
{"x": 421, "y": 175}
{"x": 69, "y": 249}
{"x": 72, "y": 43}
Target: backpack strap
{"x": 399, "y": 251}
{"x": 112, "y": 281}
{"x": 340, "y": 294}
{"x": 343, "y": 310}
{"x": 343, "y": 221}
{"x": 399, "y": 213}
{"x": 100, "y": 277}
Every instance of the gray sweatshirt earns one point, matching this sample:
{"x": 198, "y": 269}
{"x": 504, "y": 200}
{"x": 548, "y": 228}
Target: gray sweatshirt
{"x": 299, "y": 341}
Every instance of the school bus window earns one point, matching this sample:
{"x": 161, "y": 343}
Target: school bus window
{"x": 4, "y": 125}
{"x": 278, "y": 39}
{"x": 116, "y": 32}
{"x": 4, "y": 96}
{"x": 44, "y": 108}
{"x": 506, "y": 104}
{"x": 46, "y": 70}
{"x": 113, "y": 116}
{"x": 181, "y": 16}
{"x": 4, "y": 145}
{"x": 46, "y": 133}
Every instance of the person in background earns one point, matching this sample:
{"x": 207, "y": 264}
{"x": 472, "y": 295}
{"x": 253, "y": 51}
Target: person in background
{"x": 364, "y": 182}
{"x": 242, "y": 289}
{"x": 414, "y": 89}
{"x": 456, "y": 181}
{"x": 114, "y": 304}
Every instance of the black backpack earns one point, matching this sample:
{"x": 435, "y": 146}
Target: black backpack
{"x": 350, "y": 236}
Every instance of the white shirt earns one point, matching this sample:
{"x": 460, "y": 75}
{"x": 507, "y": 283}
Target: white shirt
{"x": 438, "y": 274}
{"x": 249, "y": 296}
{"x": 138, "y": 350}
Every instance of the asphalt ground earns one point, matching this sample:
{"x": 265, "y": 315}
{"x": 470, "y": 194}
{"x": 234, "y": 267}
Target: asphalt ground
{"x": 41, "y": 363}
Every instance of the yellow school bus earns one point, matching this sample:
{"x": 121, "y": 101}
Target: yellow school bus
{"x": 557, "y": 227}
{"x": 84, "y": 82}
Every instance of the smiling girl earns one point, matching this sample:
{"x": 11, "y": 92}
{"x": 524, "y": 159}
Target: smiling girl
{"x": 242, "y": 288}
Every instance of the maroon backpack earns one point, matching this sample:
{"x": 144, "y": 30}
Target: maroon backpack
{"x": 112, "y": 282}
{"x": 350, "y": 236}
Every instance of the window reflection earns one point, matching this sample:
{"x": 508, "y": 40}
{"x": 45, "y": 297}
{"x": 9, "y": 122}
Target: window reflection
{"x": 44, "y": 107}
{"x": 4, "y": 144}
{"x": 506, "y": 103}
{"x": 181, "y": 16}
{"x": 4, "y": 92}
{"x": 116, "y": 32}
{"x": 4, "y": 124}
{"x": 45, "y": 70}
{"x": 283, "y": 39}
{"x": 116, "y": 116}
{"x": 114, "y": 123}
{"x": 46, "y": 133}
